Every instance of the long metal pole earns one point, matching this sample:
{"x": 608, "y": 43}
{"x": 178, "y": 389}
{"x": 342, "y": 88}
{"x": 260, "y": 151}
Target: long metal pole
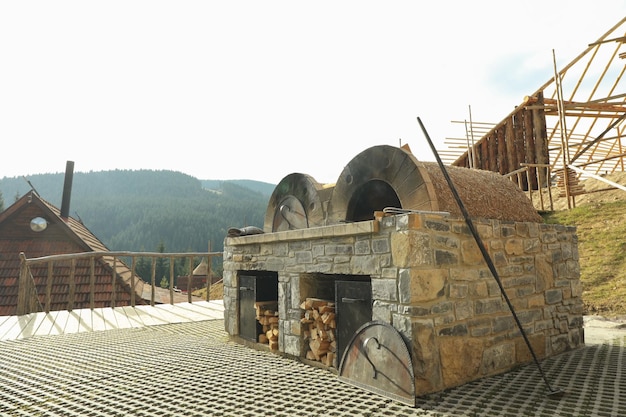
{"x": 485, "y": 254}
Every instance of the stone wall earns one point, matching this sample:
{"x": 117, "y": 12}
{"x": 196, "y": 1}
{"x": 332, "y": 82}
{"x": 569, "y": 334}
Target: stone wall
{"x": 430, "y": 282}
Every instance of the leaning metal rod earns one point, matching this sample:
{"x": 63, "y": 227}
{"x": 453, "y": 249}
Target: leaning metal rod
{"x": 486, "y": 256}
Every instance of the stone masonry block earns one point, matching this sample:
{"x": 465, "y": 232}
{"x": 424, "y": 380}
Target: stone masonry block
{"x": 554, "y": 296}
{"x": 380, "y": 245}
{"x": 384, "y": 289}
{"x": 425, "y": 352}
{"x": 544, "y": 273}
{"x": 419, "y": 285}
{"x": 437, "y": 225}
{"x": 304, "y": 257}
{"x": 514, "y": 246}
{"x": 445, "y": 258}
{"x": 532, "y": 245}
{"x": 362, "y": 247}
{"x": 365, "y": 265}
{"x": 488, "y": 306}
{"x": 498, "y": 358}
{"x": 470, "y": 253}
{"x": 341, "y": 249}
{"x": 461, "y": 359}
{"x": 318, "y": 251}
{"x": 445, "y": 241}
{"x": 459, "y": 290}
{"x": 463, "y": 310}
{"x": 411, "y": 248}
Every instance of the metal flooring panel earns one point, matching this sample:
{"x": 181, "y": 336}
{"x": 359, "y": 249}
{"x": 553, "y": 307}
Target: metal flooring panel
{"x": 193, "y": 369}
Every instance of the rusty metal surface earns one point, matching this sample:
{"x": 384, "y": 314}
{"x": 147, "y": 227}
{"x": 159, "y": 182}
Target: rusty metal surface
{"x": 296, "y": 203}
{"x": 379, "y": 177}
{"x": 378, "y": 360}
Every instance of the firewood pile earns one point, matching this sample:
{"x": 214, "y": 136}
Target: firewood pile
{"x": 319, "y": 330}
{"x": 267, "y": 316}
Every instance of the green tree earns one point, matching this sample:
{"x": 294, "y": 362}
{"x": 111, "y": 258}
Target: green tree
{"x": 142, "y": 269}
{"x": 1, "y": 202}
{"x": 162, "y": 266}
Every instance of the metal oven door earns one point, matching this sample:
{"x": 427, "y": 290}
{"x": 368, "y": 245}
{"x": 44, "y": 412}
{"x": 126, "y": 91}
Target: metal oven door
{"x": 353, "y": 304}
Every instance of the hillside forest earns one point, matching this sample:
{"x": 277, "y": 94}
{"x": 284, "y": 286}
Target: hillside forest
{"x": 148, "y": 210}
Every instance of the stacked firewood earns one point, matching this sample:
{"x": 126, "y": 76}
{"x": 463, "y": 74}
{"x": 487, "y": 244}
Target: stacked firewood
{"x": 319, "y": 330}
{"x": 267, "y": 315}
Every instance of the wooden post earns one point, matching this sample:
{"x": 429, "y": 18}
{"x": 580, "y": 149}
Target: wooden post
{"x": 503, "y": 165}
{"x": 171, "y": 280}
{"x": 518, "y": 140}
{"x": 542, "y": 154}
{"x": 209, "y": 275}
{"x": 49, "y": 286}
{"x": 530, "y": 150}
{"x": 26, "y": 293}
{"x": 189, "y": 279}
{"x": 72, "y": 285}
{"x": 92, "y": 282}
{"x": 509, "y": 136}
{"x": 114, "y": 282}
{"x": 153, "y": 282}
{"x": 493, "y": 152}
{"x": 133, "y": 266}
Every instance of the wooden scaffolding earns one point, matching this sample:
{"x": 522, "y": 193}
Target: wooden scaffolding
{"x": 572, "y": 125}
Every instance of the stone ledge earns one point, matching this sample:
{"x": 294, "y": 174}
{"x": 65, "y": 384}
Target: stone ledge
{"x": 336, "y": 230}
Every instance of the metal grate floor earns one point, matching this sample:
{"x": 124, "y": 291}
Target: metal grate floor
{"x": 192, "y": 369}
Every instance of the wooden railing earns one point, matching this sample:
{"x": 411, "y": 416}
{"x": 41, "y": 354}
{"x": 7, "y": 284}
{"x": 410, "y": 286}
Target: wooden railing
{"x": 29, "y": 299}
{"x": 535, "y": 178}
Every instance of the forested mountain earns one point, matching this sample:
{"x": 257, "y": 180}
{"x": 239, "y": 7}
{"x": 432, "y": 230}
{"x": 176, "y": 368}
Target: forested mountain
{"x": 139, "y": 210}
{"x": 261, "y": 187}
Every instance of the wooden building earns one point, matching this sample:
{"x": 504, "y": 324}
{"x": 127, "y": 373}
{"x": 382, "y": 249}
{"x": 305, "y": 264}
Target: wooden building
{"x": 36, "y": 228}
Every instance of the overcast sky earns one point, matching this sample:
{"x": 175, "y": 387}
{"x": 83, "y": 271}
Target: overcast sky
{"x": 261, "y": 89}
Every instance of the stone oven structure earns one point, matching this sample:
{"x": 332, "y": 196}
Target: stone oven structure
{"x": 386, "y": 244}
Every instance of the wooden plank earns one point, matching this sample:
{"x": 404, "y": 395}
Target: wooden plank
{"x": 30, "y": 329}
{"x": 150, "y": 316}
{"x": 6, "y": 326}
{"x": 503, "y": 162}
{"x": 122, "y": 319}
{"x": 202, "y": 310}
{"x": 216, "y": 308}
{"x": 72, "y": 325}
{"x": 183, "y": 312}
{"x": 171, "y": 313}
{"x": 510, "y": 146}
{"x": 13, "y": 327}
{"x": 98, "y": 319}
{"x": 86, "y": 320}
{"x": 4, "y": 319}
{"x": 529, "y": 135}
{"x": 47, "y": 324}
{"x": 59, "y": 323}
{"x": 133, "y": 316}
{"x": 110, "y": 320}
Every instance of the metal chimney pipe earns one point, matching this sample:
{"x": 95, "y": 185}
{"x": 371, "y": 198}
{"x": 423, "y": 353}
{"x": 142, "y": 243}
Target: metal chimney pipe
{"x": 67, "y": 189}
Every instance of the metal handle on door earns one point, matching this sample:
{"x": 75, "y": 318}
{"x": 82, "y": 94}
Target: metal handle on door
{"x": 352, "y": 300}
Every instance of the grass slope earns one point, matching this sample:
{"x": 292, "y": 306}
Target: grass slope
{"x": 601, "y": 229}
